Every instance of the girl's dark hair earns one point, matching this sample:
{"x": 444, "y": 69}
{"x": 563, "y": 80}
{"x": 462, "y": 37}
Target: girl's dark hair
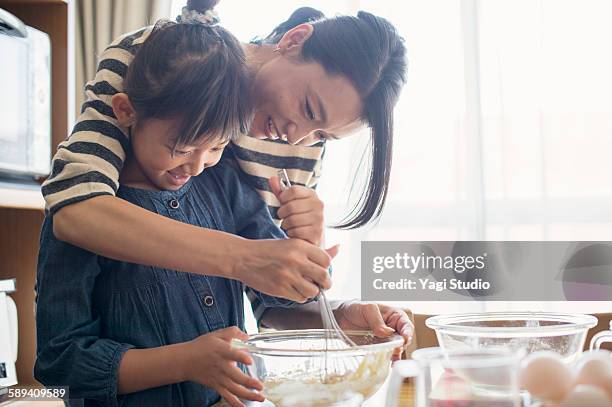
{"x": 369, "y": 52}
{"x": 193, "y": 72}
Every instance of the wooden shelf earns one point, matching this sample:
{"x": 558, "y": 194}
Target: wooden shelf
{"x": 20, "y": 196}
{"x": 21, "y": 207}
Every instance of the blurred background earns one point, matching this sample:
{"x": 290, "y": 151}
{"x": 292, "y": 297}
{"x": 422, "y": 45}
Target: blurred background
{"x": 502, "y": 132}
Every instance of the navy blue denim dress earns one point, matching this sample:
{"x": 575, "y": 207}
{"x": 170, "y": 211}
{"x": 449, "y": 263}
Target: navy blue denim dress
{"x": 91, "y": 310}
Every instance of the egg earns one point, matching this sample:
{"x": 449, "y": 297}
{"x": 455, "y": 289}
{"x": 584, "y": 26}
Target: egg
{"x": 545, "y": 376}
{"x": 586, "y": 395}
{"x": 608, "y": 387}
{"x": 595, "y": 368}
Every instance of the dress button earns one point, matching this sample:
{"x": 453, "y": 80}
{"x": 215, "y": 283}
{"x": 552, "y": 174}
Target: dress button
{"x": 174, "y": 203}
{"x": 209, "y": 301}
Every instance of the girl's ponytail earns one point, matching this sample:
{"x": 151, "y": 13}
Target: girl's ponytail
{"x": 200, "y": 11}
{"x": 300, "y": 16}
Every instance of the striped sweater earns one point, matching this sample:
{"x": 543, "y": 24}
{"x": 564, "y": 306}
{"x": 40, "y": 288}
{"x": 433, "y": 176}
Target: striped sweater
{"x": 88, "y": 163}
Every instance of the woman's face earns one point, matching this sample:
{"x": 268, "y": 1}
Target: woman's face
{"x": 300, "y": 102}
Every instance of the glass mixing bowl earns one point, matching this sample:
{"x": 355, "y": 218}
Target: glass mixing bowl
{"x": 301, "y": 368}
{"x": 530, "y": 331}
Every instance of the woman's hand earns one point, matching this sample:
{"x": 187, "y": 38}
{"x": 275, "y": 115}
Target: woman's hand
{"x": 301, "y": 212}
{"x": 381, "y": 319}
{"x": 211, "y": 361}
{"x": 287, "y": 268}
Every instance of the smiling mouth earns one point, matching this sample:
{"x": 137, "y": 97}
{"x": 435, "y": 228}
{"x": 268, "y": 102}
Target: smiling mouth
{"x": 179, "y": 179}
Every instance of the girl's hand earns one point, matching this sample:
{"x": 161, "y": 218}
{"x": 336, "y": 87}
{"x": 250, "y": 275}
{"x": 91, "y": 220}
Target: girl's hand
{"x": 301, "y": 211}
{"x": 378, "y": 318}
{"x": 211, "y": 361}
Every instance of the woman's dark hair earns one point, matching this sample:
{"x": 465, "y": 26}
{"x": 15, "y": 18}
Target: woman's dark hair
{"x": 369, "y": 52}
{"x": 196, "y": 73}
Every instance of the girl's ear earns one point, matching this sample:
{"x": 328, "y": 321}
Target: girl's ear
{"x": 293, "y": 40}
{"x": 124, "y": 111}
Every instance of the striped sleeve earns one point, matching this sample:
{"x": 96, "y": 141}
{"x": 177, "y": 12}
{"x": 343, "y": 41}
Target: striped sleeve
{"x": 261, "y": 159}
{"x": 88, "y": 163}
{"x": 316, "y": 171}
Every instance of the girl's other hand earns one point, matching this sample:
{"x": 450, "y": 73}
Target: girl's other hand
{"x": 211, "y": 361}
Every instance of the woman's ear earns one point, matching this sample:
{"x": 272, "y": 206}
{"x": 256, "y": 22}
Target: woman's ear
{"x": 124, "y": 111}
{"x": 293, "y": 40}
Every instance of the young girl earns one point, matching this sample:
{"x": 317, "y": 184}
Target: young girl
{"x": 134, "y": 335}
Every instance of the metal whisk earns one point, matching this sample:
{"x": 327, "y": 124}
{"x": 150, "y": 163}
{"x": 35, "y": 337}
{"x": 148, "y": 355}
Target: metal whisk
{"x": 333, "y": 333}
{"x": 332, "y": 329}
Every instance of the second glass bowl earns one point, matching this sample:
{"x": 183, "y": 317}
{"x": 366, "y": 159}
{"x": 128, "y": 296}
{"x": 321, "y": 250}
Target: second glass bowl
{"x": 564, "y": 334}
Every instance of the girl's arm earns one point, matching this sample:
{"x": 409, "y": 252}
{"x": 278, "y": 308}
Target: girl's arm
{"x": 208, "y": 359}
{"x": 142, "y": 369}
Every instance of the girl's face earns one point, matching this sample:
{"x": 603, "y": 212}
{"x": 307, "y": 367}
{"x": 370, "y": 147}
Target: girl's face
{"x": 298, "y": 101}
{"x": 155, "y": 162}
{"x": 167, "y": 167}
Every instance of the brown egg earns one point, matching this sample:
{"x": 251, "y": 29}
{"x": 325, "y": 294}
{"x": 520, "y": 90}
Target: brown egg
{"x": 545, "y": 376}
{"x": 608, "y": 387}
{"x": 586, "y": 395}
{"x": 594, "y": 368}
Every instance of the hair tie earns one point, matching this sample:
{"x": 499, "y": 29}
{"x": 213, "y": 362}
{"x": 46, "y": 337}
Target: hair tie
{"x": 210, "y": 17}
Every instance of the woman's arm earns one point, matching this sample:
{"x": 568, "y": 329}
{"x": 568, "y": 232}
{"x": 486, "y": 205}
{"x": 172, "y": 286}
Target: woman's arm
{"x": 303, "y": 316}
{"x": 88, "y": 163}
{"x": 117, "y": 229}
{"x": 107, "y": 225}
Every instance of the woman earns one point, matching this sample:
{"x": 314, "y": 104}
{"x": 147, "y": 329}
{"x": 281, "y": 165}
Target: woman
{"x": 311, "y": 82}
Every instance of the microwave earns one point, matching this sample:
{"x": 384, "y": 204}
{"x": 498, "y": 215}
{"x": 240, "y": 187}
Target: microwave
{"x": 25, "y": 104}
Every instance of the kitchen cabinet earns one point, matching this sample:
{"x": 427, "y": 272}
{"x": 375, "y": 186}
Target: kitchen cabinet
{"x": 22, "y": 207}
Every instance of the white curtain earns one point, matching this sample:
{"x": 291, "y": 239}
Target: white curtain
{"x": 503, "y": 131}
{"x": 99, "y": 22}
